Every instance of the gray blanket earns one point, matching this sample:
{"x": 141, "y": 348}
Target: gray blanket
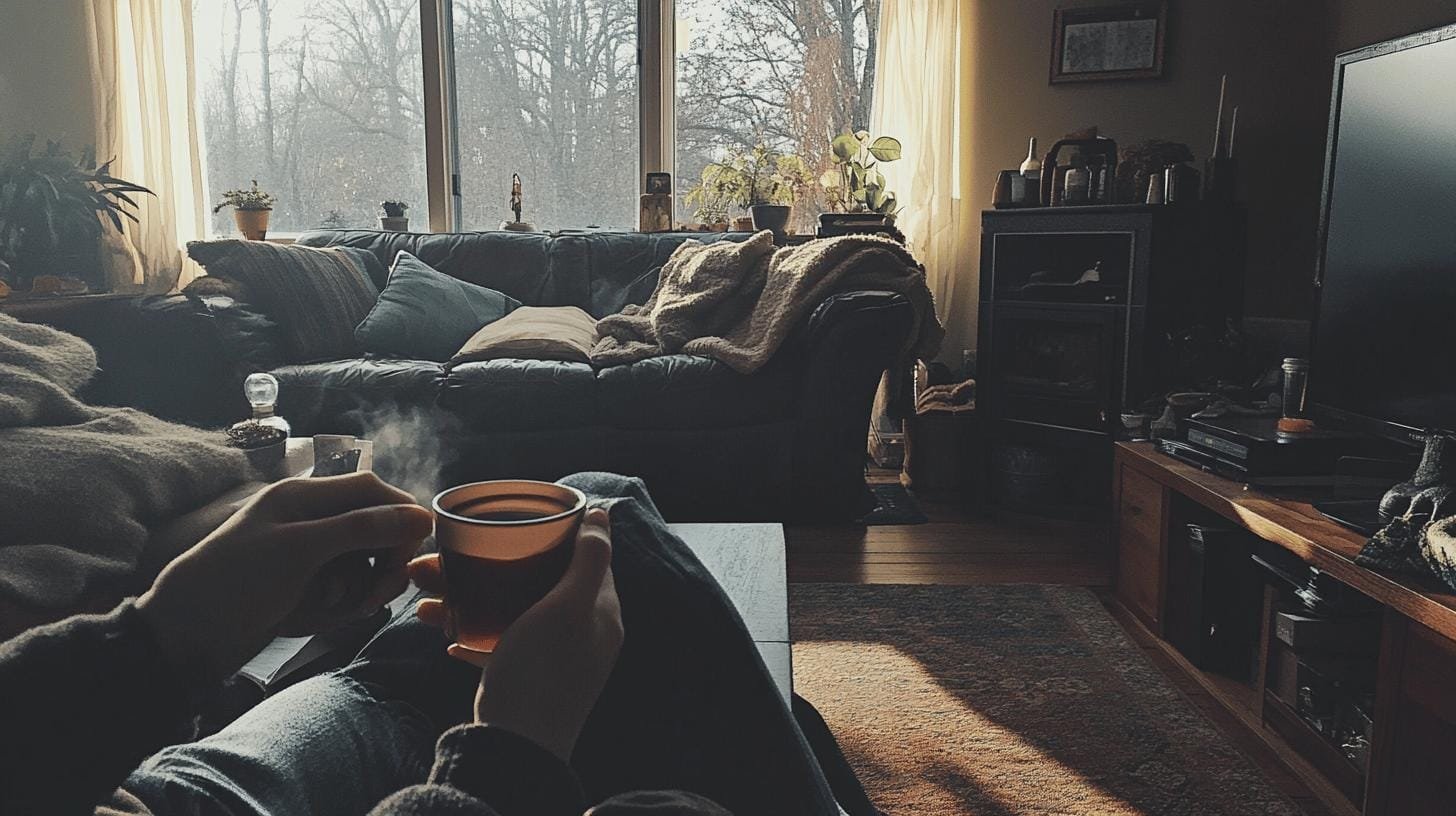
{"x": 737, "y": 302}
{"x": 81, "y": 487}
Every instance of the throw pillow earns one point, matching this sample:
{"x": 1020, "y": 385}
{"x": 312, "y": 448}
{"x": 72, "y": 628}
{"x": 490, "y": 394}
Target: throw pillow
{"x": 423, "y": 314}
{"x": 534, "y": 333}
{"x": 316, "y": 296}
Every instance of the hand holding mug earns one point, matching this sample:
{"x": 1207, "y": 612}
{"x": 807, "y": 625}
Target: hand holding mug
{"x": 551, "y": 664}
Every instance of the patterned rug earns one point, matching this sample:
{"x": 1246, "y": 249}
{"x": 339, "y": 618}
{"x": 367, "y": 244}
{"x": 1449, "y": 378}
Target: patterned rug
{"x": 1020, "y": 700}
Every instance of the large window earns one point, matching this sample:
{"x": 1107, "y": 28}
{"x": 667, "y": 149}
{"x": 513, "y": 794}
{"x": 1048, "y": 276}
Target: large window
{"x": 321, "y": 101}
{"x": 324, "y": 101}
{"x": 547, "y": 89}
{"x": 785, "y": 74}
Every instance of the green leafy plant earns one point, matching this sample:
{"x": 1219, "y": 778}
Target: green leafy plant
{"x": 54, "y": 200}
{"x": 251, "y": 199}
{"x": 744, "y": 178}
{"x": 855, "y": 183}
{"x": 393, "y": 209}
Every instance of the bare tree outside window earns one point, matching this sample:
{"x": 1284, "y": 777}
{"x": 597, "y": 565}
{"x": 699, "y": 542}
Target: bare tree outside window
{"x": 548, "y": 89}
{"x": 321, "y": 101}
{"x": 785, "y": 73}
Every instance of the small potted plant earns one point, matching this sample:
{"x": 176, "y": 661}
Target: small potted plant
{"x": 855, "y": 186}
{"x": 394, "y": 219}
{"x": 54, "y": 209}
{"x": 251, "y": 209}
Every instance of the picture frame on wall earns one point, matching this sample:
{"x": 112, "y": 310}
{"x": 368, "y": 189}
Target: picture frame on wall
{"x": 1100, "y": 43}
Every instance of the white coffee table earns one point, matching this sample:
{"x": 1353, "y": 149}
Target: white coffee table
{"x": 748, "y": 561}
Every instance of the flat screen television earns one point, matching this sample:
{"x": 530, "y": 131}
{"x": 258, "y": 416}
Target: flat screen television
{"x": 1384, "y": 345}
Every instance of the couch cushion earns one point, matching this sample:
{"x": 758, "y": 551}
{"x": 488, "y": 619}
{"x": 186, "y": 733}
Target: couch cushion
{"x": 427, "y": 315}
{"x": 328, "y": 397}
{"x": 685, "y": 391}
{"x": 527, "y": 266}
{"x": 500, "y": 395}
{"x": 316, "y": 296}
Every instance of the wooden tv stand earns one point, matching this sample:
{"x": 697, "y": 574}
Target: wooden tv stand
{"x": 1412, "y": 759}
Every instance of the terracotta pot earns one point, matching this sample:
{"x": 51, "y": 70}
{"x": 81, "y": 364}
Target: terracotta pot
{"x": 772, "y": 217}
{"x": 253, "y": 224}
{"x": 394, "y": 223}
{"x": 743, "y": 223}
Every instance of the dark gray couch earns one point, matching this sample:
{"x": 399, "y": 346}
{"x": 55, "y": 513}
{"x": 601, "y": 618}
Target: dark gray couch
{"x": 785, "y": 442}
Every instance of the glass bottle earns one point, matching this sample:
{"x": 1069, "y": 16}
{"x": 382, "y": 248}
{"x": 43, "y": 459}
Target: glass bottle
{"x": 1031, "y": 167}
{"x": 261, "y": 391}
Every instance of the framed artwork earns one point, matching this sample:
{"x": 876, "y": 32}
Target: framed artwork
{"x": 1124, "y": 41}
{"x": 659, "y": 182}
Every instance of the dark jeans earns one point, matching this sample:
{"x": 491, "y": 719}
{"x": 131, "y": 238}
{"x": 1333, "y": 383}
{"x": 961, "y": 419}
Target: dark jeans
{"x": 689, "y": 706}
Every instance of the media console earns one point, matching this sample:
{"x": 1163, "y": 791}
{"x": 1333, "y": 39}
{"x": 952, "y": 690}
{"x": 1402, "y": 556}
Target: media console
{"x": 1408, "y": 767}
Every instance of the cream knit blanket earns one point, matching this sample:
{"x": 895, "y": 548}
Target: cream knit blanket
{"x": 737, "y": 302}
{"x": 81, "y": 487}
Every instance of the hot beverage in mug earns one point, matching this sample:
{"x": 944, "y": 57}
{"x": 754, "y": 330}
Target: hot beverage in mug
{"x": 503, "y": 546}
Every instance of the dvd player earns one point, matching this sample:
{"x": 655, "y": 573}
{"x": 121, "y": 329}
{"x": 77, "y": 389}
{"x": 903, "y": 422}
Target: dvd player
{"x": 1255, "y": 446}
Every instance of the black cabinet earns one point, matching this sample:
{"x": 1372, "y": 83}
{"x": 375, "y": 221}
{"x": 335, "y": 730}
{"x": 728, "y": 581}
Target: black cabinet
{"x": 1081, "y": 308}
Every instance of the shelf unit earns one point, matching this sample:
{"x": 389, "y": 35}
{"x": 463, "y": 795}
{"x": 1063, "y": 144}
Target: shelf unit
{"x": 1414, "y": 740}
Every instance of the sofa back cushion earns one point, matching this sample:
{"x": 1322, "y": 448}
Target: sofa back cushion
{"x": 598, "y": 272}
{"x": 316, "y": 296}
{"x": 423, "y": 314}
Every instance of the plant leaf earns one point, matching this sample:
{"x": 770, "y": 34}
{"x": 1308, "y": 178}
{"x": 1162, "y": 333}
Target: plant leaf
{"x": 886, "y": 148}
{"x": 844, "y": 147}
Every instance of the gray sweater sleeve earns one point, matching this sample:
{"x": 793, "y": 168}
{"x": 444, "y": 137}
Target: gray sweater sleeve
{"x": 83, "y": 702}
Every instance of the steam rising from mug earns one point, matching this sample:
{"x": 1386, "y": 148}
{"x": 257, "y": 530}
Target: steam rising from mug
{"x": 412, "y": 445}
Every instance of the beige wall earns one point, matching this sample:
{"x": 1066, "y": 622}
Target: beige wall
{"x": 1278, "y": 57}
{"x": 45, "y": 85}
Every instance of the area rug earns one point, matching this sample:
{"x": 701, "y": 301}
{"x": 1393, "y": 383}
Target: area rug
{"x": 895, "y": 506}
{"x": 1020, "y": 700}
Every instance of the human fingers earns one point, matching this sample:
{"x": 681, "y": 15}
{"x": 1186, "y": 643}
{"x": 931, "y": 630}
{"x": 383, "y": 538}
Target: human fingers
{"x": 303, "y": 499}
{"x": 590, "y": 561}
{"x": 474, "y": 658}
{"x": 380, "y": 527}
{"x": 426, "y": 573}
{"x": 433, "y": 612}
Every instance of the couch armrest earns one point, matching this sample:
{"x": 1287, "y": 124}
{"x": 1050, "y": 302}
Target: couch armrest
{"x": 844, "y": 348}
{"x": 174, "y": 356}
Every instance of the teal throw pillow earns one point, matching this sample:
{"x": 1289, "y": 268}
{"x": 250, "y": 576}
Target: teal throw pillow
{"x": 423, "y": 314}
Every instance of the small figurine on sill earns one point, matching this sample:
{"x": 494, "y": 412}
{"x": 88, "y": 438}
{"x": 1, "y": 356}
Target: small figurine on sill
{"x": 517, "y": 225}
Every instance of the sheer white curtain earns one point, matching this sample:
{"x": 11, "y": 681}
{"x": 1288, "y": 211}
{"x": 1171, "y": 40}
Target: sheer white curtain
{"x": 146, "y": 119}
{"x": 918, "y": 89}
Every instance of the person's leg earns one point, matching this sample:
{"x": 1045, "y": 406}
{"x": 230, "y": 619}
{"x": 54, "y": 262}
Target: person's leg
{"x": 690, "y": 704}
{"x": 337, "y": 743}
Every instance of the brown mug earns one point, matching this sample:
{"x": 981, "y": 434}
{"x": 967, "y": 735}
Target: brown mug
{"x": 503, "y": 545}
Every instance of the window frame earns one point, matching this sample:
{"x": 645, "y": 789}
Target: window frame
{"x": 656, "y": 76}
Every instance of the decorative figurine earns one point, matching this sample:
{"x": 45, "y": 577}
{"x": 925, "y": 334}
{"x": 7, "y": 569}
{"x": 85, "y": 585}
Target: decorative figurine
{"x": 517, "y": 225}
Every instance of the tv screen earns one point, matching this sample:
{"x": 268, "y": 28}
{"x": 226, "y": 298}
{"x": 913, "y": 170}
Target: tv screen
{"x": 1385, "y": 334}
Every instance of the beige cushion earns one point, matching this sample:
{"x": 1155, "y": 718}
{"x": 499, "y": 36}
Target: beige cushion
{"x": 533, "y": 333}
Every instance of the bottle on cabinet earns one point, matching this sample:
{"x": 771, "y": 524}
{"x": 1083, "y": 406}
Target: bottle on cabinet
{"x": 1031, "y": 166}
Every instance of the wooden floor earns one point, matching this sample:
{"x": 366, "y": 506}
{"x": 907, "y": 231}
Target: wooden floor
{"x": 958, "y": 546}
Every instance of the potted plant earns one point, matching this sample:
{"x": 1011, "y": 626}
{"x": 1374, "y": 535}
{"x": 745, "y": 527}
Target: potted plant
{"x": 710, "y": 197}
{"x": 394, "y": 218}
{"x": 855, "y": 186}
{"x": 54, "y": 209}
{"x": 251, "y": 209}
{"x": 760, "y": 181}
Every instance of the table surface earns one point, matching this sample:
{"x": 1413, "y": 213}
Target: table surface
{"x": 749, "y": 562}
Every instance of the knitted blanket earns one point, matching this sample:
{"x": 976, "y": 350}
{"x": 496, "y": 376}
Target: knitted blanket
{"x": 737, "y": 302}
{"x": 81, "y": 487}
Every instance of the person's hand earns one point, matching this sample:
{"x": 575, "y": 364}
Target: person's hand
{"x": 551, "y": 664}
{"x": 295, "y": 560}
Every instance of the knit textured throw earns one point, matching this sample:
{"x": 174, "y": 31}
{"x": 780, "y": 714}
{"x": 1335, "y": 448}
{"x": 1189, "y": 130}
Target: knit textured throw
{"x": 81, "y": 487}
{"x": 737, "y": 302}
